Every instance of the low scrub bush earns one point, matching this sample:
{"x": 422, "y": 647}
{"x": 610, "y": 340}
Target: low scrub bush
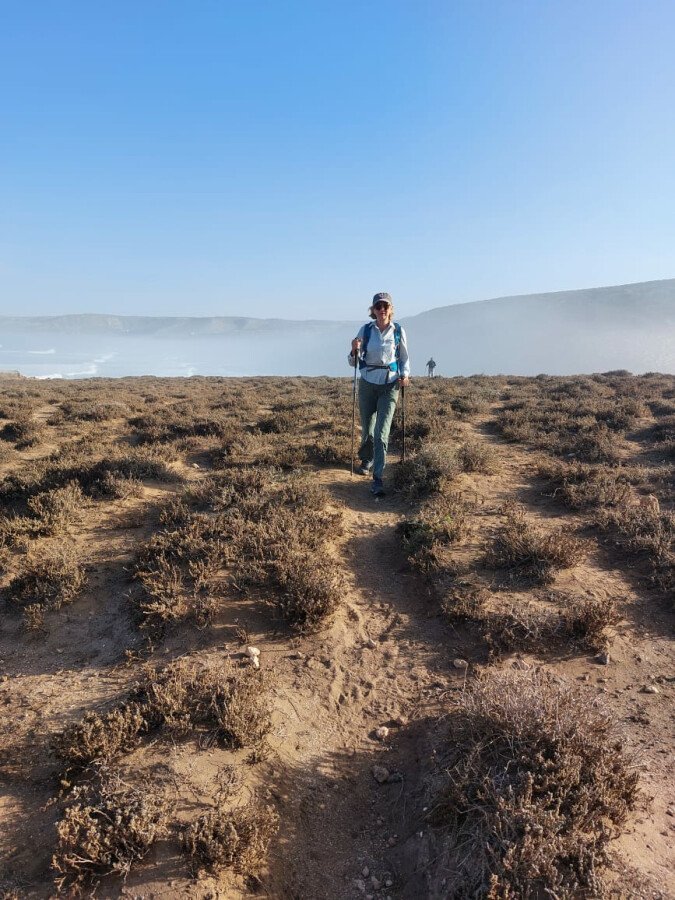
{"x": 427, "y": 471}
{"x": 583, "y": 486}
{"x": 230, "y": 838}
{"x": 527, "y": 550}
{"x": 438, "y": 526}
{"x": 48, "y": 581}
{"x": 106, "y": 827}
{"x": 643, "y": 528}
{"x": 533, "y": 784}
{"x": 57, "y": 509}
{"x": 100, "y": 738}
{"x": 477, "y": 457}
{"x": 230, "y": 704}
{"x": 580, "y": 622}
{"x": 23, "y": 432}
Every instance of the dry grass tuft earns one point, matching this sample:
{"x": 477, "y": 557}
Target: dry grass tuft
{"x": 235, "y": 839}
{"x": 534, "y": 784}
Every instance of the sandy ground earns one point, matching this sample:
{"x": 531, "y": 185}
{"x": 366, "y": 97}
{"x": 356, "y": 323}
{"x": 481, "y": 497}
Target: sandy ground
{"x": 386, "y": 660}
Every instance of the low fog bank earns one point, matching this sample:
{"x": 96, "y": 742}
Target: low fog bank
{"x": 625, "y": 327}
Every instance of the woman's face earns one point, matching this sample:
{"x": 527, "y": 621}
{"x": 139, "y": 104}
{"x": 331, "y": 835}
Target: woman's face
{"x": 382, "y": 312}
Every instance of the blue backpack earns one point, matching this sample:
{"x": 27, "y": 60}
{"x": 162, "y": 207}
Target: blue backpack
{"x": 367, "y": 331}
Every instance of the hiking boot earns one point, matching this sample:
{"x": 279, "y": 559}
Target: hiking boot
{"x": 364, "y": 468}
{"x": 377, "y": 488}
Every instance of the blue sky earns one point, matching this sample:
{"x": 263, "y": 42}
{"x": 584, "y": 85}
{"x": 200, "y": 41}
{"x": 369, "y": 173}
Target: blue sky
{"x": 292, "y": 158}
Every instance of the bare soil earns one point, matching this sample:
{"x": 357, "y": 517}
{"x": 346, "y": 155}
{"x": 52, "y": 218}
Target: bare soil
{"x": 386, "y": 659}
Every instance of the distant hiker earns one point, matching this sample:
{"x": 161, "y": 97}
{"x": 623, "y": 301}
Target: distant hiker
{"x": 431, "y": 365}
{"x": 381, "y": 351}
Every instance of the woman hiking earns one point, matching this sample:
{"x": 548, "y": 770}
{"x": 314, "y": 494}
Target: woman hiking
{"x": 381, "y": 351}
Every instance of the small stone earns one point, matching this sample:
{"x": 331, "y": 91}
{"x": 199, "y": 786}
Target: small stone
{"x": 380, "y": 774}
{"x": 459, "y": 663}
{"x": 360, "y": 885}
{"x": 195, "y": 465}
{"x": 603, "y": 658}
{"x": 376, "y": 883}
{"x": 365, "y": 871}
{"x": 371, "y": 644}
{"x": 389, "y": 883}
{"x": 255, "y": 662}
{"x": 252, "y": 652}
{"x": 392, "y": 841}
{"x": 380, "y": 820}
{"x": 381, "y": 732}
{"x": 650, "y": 689}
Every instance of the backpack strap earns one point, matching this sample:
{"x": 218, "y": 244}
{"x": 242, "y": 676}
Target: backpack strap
{"x": 392, "y": 367}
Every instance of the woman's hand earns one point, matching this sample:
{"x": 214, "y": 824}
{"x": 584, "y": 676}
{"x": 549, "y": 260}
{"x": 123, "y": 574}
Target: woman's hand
{"x": 404, "y": 382}
{"x": 356, "y": 344}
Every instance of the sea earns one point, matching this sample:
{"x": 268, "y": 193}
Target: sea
{"x": 89, "y": 356}
{"x": 304, "y": 353}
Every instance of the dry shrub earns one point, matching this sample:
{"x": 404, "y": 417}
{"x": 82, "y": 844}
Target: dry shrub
{"x": 272, "y": 531}
{"x": 231, "y": 704}
{"x": 581, "y": 622}
{"x": 308, "y": 594}
{"x": 57, "y": 509}
{"x": 438, "y": 526}
{"x": 427, "y": 471}
{"x": 477, "y": 457}
{"x": 50, "y": 579}
{"x": 466, "y": 603}
{"x": 98, "y": 479}
{"x": 106, "y": 827}
{"x": 643, "y": 528}
{"x": 235, "y": 839}
{"x": 580, "y": 485}
{"x": 531, "y": 552}
{"x": 99, "y": 738}
{"x": 91, "y": 410}
{"x": 178, "y": 570}
{"x": 534, "y": 784}
{"x": 23, "y": 432}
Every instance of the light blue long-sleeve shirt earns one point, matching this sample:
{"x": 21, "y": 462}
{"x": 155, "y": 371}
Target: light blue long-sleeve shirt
{"x": 381, "y": 351}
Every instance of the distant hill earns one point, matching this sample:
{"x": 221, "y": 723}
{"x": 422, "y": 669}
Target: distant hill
{"x": 623, "y": 327}
{"x": 157, "y": 326}
{"x": 629, "y": 326}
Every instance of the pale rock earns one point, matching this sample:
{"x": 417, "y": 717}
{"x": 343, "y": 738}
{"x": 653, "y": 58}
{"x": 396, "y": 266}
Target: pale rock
{"x": 650, "y": 689}
{"x": 252, "y": 652}
{"x": 381, "y": 733}
{"x": 460, "y": 663}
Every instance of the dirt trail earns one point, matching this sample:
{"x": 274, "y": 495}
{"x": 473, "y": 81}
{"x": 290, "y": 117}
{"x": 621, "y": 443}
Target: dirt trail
{"x": 387, "y": 662}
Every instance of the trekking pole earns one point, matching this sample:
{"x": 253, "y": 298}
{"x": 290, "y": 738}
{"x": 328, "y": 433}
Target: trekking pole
{"x": 356, "y": 359}
{"x": 403, "y": 420}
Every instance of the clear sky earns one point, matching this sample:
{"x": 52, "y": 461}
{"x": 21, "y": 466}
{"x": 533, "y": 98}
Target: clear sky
{"x": 291, "y": 158}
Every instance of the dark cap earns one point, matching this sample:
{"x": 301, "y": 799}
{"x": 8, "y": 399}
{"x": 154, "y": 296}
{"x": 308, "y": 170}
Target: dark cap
{"x": 382, "y": 297}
